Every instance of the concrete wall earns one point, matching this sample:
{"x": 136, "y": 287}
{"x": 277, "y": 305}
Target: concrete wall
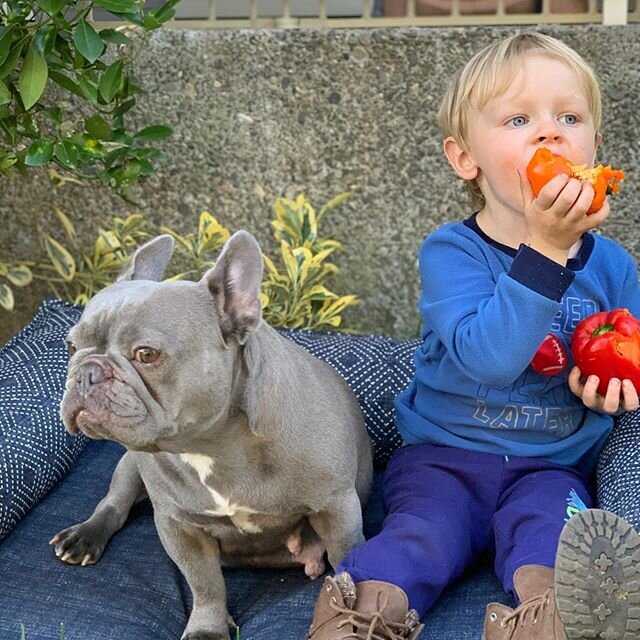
{"x": 259, "y": 114}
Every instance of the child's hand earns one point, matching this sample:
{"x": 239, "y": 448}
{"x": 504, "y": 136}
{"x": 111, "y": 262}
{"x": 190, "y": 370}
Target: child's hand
{"x": 557, "y": 218}
{"x": 621, "y": 395}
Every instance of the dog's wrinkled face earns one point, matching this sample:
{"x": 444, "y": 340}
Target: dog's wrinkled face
{"x": 153, "y": 363}
{"x": 149, "y": 359}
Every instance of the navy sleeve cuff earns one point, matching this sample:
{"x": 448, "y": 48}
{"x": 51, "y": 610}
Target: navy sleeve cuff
{"x": 541, "y": 274}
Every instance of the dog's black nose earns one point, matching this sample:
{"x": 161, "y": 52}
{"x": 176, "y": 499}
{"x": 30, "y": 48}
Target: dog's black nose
{"x": 89, "y": 374}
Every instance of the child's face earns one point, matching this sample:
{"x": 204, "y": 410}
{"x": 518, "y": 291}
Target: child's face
{"x": 545, "y": 106}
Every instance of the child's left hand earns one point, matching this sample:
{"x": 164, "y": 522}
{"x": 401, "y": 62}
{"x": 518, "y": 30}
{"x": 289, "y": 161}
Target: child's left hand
{"x": 621, "y": 394}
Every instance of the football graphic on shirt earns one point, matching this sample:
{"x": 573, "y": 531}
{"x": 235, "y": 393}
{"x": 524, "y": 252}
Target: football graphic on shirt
{"x": 551, "y": 356}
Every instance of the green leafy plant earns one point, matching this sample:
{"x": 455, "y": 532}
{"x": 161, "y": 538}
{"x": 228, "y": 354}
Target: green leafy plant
{"x": 295, "y": 291}
{"x": 44, "y": 42}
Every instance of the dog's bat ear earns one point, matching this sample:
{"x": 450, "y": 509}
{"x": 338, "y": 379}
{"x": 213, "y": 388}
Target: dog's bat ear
{"x": 150, "y": 260}
{"x": 234, "y": 282}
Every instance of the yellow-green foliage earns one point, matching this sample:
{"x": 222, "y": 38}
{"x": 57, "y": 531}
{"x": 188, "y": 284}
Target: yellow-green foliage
{"x": 296, "y": 295}
{"x": 295, "y": 291}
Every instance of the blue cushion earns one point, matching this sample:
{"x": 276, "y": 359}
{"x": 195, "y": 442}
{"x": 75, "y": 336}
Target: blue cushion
{"x": 376, "y": 368}
{"x": 618, "y": 475}
{"x": 135, "y": 592}
{"x": 35, "y": 449}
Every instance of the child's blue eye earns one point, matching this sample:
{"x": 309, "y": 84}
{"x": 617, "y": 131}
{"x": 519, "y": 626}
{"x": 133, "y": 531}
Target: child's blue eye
{"x": 518, "y": 121}
{"x": 569, "y": 118}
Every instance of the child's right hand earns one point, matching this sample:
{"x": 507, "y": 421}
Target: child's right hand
{"x": 557, "y": 218}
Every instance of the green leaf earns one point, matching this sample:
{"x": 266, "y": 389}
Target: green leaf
{"x": 165, "y": 12}
{"x": 89, "y": 90}
{"x": 97, "y": 127}
{"x": 62, "y": 46}
{"x": 51, "y": 6}
{"x": 87, "y": 41}
{"x": 146, "y": 168}
{"x": 12, "y": 59}
{"x": 61, "y": 259}
{"x": 111, "y": 81}
{"x": 156, "y": 132}
{"x": 20, "y": 275}
{"x": 150, "y": 22}
{"x": 6, "y": 37}
{"x": 114, "y": 36}
{"x": 44, "y": 39}
{"x": 117, "y": 6}
{"x": 39, "y": 153}
{"x": 6, "y": 297}
{"x": 66, "y": 153}
{"x": 124, "y": 107}
{"x": 134, "y": 18}
{"x": 7, "y": 161}
{"x": 66, "y": 83}
{"x": 33, "y": 78}
{"x": 10, "y": 127}
{"x": 5, "y": 94}
{"x": 55, "y": 114}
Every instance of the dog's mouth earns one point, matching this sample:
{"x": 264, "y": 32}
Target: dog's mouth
{"x": 82, "y": 420}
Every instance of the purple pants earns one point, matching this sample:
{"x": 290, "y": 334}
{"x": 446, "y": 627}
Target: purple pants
{"x": 444, "y": 506}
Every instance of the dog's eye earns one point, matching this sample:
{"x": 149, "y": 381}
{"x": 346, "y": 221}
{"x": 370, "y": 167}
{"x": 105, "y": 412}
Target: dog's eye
{"x": 71, "y": 347}
{"x": 146, "y": 355}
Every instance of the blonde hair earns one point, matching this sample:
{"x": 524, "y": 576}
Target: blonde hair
{"x": 490, "y": 72}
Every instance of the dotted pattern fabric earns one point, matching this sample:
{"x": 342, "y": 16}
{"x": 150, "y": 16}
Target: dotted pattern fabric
{"x": 35, "y": 449}
{"x": 376, "y": 368}
{"x": 618, "y": 474}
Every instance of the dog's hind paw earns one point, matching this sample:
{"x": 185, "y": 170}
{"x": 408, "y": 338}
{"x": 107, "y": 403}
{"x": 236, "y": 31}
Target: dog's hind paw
{"x": 294, "y": 542}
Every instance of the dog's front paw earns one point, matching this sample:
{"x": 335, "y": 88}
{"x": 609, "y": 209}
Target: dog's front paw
{"x": 205, "y": 635}
{"x": 81, "y": 544}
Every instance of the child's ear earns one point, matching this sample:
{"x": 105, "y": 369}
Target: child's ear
{"x": 460, "y": 159}
{"x": 597, "y": 143}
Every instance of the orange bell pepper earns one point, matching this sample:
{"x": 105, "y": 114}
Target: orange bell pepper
{"x": 545, "y": 165}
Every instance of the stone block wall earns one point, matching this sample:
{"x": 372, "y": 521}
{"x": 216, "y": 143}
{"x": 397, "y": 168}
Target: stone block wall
{"x": 259, "y": 114}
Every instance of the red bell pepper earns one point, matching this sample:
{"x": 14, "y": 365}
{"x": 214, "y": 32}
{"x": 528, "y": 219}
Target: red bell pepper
{"x": 545, "y": 165}
{"x": 607, "y": 344}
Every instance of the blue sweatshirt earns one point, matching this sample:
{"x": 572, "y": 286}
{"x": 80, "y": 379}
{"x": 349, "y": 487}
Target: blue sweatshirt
{"x": 486, "y": 309}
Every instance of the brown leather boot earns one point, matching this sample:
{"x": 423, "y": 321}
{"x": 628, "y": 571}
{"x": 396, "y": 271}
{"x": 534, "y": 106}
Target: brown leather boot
{"x": 536, "y": 618}
{"x": 594, "y": 591}
{"x": 370, "y": 610}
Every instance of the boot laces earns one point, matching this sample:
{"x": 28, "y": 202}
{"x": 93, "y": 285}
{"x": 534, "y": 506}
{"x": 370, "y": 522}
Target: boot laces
{"x": 528, "y": 611}
{"x": 373, "y": 626}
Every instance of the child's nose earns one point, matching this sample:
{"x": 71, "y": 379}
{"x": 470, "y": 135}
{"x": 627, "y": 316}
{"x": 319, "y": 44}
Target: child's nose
{"x": 549, "y": 131}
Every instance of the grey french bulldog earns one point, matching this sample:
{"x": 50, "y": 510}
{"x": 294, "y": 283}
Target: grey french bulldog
{"x": 252, "y": 451}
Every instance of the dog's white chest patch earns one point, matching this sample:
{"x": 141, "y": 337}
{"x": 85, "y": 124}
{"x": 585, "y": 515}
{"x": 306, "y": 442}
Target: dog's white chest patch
{"x": 239, "y": 515}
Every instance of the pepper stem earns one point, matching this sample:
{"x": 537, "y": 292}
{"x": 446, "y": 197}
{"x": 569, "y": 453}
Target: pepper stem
{"x": 603, "y": 328}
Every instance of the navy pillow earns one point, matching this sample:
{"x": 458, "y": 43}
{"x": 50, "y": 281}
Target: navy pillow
{"x": 35, "y": 449}
{"x": 618, "y": 476}
{"x": 376, "y": 368}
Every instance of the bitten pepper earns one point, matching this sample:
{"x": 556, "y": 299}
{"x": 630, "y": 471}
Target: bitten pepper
{"x": 545, "y": 165}
{"x": 607, "y": 344}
